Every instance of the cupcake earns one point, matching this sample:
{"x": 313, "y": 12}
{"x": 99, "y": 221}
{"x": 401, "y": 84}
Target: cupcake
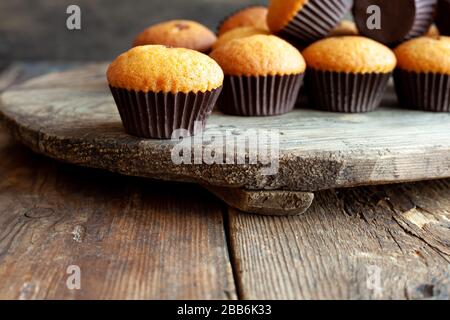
{"x": 422, "y": 77}
{"x": 433, "y": 31}
{"x": 178, "y": 34}
{"x": 306, "y": 21}
{"x": 399, "y": 20}
{"x": 348, "y": 74}
{"x": 263, "y": 75}
{"x": 443, "y": 17}
{"x": 345, "y": 28}
{"x": 159, "y": 90}
{"x": 237, "y": 33}
{"x": 254, "y": 16}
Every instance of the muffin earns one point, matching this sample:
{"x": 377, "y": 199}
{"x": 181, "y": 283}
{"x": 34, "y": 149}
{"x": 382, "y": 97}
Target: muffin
{"x": 237, "y": 33}
{"x": 443, "y": 17}
{"x": 306, "y": 21}
{"x": 401, "y": 20}
{"x": 433, "y": 31}
{"x": 345, "y": 28}
{"x": 263, "y": 75}
{"x": 348, "y": 74}
{"x": 422, "y": 77}
{"x": 254, "y": 16}
{"x": 159, "y": 90}
{"x": 178, "y": 34}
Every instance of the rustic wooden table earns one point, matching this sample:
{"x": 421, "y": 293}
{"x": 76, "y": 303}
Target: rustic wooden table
{"x": 141, "y": 239}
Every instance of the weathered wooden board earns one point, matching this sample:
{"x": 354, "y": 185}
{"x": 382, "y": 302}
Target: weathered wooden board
{"x": 348, "y": 238}
{"x": 326, "y": 254}
{"x": 132, "y": 238}
{"x": 71, "y": 116}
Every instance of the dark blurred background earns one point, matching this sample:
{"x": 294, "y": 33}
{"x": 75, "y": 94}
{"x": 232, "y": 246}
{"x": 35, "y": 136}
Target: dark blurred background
{"x": 36, "y": 29}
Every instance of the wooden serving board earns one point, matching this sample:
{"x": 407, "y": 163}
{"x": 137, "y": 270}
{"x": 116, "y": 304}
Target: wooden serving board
{"x": 71, "y": 116}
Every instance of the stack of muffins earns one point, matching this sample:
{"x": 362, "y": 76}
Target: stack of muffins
{"x": 261, "y": 56}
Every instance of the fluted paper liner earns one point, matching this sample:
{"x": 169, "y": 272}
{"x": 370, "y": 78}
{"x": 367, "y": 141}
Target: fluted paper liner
{"x": 442, "y": 17}
{"x": 259, "y": 96}
{"x": 425, "y": 10}
{"x": 423, "y": 91}
{"x": 158, "y": 115}
{"x": 393, "y": 33}
{"x": 315, "y": 20}
{"x": 346, "y": 92}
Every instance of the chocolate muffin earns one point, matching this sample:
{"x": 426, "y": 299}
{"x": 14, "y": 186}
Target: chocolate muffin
{"x": 422, "y": 77}
{"x": 237, "y": 33}
{"x": 305, "y": 21}
{"x": 263, "y": 75}
{"x": 443, "y": 17}
{"x": 400, "y": 20}
{"x": 347, "y": 74}
{"x": 178, "y": 34}
{"x": 254, "y": 16}
{"x": 159, "y": 90}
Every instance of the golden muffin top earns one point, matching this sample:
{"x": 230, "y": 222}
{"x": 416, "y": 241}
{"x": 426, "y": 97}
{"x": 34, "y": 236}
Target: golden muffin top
{"x": 157, "y": 68}
{"x": 237, "y": 33}
{"x": 281, "y": 13}
{"x": 350, "y": 54}
{"x": 255, "y": 16}
{"x": 345, "y": 28}
{"x": 433, "y": 31}
{"x": 179, "y": 34}
{"x": 425, "y": 54}
{"x": 259, "y": 55}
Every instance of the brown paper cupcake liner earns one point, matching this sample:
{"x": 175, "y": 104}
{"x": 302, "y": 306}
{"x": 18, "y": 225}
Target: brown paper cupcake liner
{"x": 423, "y": 91}
{"x": 315, "y": 20}
{"x": 414, "y": 21}
{"x": 302, "y": 98}
{"x": 158, "y": 115}
{"x": 442, "y": 17}
{"x": 346, "y": 92}
{"x": 259, "y": 96}
{"x": 424, "y": 18}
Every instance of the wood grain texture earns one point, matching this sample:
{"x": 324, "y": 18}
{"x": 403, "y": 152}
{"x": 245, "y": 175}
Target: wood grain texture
{"x": 131, "y": 238}
{"x": 71, "y": 116}
{"x": 270, "y": 203}
{"x": 331, "y": 252}
{"x": 135, "y": 238}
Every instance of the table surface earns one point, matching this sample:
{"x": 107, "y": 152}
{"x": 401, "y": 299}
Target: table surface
{"x": 137, "y": 238}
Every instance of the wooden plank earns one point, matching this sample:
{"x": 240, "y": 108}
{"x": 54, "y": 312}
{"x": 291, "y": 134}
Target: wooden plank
{"x": 132, "y": 238}
{"x": 348, "y": 237}
{"x": 71, "y": 116}
{"x": 272, "y": 203}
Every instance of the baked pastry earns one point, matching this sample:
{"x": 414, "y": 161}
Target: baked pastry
{"x": 422, "y": 77}
{"x": 159, "y": 90}
{"x": 306, "y": 21}
{"x": 433, "y": 31}
{"x": 345, "y": 28}
{"x": 399, "y": 20}
{"x": 178, "y": 34}
{"x": 347, "y": 74}
{"x": 254, "y": 16}
{"x": 237, "y": 33}
{"x": 263, "y": 75}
